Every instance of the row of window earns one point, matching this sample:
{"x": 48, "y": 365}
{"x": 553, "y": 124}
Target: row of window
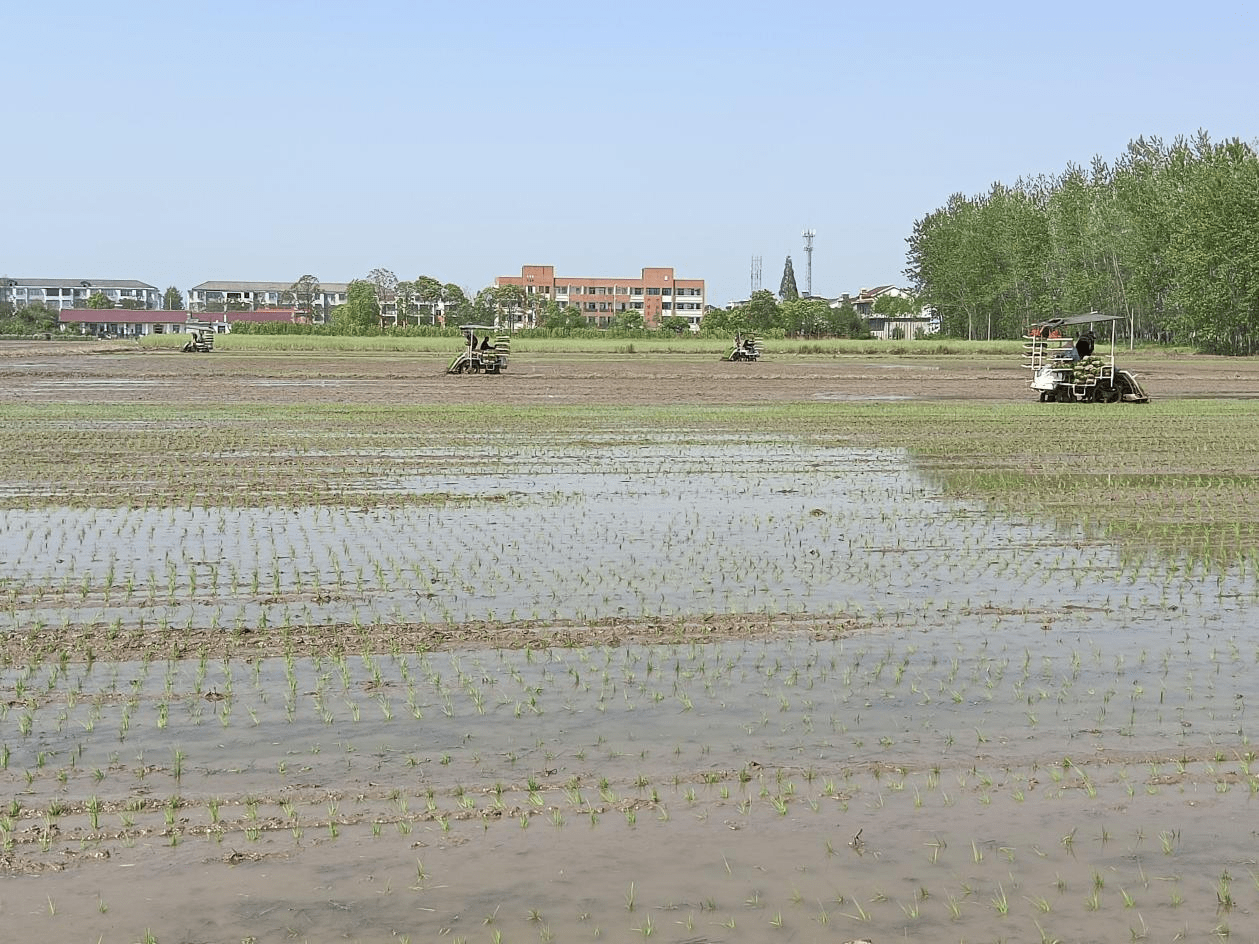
{"x": 78, "y": 292}
{"x": 635, "y": 290}
{"x": 620, "y": 306}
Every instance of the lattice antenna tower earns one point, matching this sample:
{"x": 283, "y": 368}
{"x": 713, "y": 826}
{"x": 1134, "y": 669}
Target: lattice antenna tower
{"x": 808, "y": 264}
{"x": 756, "y": 274}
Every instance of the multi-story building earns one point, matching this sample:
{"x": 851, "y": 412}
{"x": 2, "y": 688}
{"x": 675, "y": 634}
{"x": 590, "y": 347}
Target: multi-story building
{"x": 59, "y": 294}
{"x": 655, "y": 294}
{"x": 251, "y": 296}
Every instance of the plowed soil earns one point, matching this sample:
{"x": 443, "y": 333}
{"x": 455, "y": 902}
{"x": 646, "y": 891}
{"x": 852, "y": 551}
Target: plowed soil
{"x": 114, "y": 372}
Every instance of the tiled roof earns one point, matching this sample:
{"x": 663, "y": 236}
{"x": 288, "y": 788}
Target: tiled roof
{"x": 120, "y": 316}
{"x": 338, "y": 287}
{"x": 78, "y": 283}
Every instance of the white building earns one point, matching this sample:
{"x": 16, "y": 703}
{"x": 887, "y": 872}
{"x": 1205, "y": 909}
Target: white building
{"x": 251, "y": 296}
{"x": 59, "y": 294}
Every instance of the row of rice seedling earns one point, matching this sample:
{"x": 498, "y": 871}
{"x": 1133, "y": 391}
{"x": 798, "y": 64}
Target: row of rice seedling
{"x": 911, "y": 762}
{"x": 943, "y": 720}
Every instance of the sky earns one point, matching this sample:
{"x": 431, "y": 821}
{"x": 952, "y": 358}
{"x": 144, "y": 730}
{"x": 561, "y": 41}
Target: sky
{"x": 183, "y": 142}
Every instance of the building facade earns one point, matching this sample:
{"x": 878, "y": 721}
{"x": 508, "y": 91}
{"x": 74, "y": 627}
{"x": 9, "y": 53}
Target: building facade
{"x": 655, "y": 294}
{"x": 123, "y": 323}
{"x": 60, "y": 294}
{"x": 253, "y": 296}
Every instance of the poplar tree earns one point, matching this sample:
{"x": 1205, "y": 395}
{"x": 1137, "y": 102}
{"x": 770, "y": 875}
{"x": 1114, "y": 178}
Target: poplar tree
{"x": 787, "y": 290}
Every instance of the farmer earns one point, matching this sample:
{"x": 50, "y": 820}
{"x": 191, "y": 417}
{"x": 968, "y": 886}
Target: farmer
{"x": 1084, "y": 345}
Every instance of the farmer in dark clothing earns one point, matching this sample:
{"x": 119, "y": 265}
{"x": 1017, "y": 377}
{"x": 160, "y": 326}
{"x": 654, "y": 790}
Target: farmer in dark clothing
{"x": 1084, "y": 345}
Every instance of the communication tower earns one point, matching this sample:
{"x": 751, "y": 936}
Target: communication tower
{"x": 756, "y": 274}
{"x": 808, "y": 256}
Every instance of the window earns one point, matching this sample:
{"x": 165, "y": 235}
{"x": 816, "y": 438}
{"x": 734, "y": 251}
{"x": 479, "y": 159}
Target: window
{"x": 653, "y": 291}
{"x": 666, "y": 291}
{"x": 637, "y": 306}
{"x": 636, "y": 290}
{"x": 667, "y": 306}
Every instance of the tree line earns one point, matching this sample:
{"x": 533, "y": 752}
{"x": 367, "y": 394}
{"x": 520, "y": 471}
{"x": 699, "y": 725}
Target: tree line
{"x": 1167, "y": 236}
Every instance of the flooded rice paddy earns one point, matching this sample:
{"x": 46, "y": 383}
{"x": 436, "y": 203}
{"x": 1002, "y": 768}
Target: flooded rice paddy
{"x": 822, "y": 703}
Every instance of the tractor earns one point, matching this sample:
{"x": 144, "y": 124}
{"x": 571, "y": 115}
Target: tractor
{"x": 487, "y": 354}
{"x": 201, "y": 341}
{"x": 746, "y": 348}
{"x": 1067, "y": 370}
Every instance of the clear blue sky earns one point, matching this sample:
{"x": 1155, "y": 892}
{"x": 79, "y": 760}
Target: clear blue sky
{"x": 176, "y": 142}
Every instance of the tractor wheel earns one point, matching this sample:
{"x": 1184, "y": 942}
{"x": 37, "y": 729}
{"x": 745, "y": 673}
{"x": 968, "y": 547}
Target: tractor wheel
{"x": 1107, "y": 393}
{"x": 1063, "y": 394}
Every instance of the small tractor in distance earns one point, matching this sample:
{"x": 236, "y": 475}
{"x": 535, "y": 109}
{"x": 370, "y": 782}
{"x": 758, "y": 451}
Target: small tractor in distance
{"x": 1066, "y": 370}
{"x": 481, "y": 355}
{"x": 201, "y": 341}
{"x": 746, "y": 348}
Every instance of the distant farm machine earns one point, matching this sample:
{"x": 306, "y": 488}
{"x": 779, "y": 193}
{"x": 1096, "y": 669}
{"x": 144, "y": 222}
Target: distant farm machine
{"x": 200, "y": 341}
{"x": 486, "y": 353}
{"x": 746, "y": 348}
{"x": 1066, "y": 370}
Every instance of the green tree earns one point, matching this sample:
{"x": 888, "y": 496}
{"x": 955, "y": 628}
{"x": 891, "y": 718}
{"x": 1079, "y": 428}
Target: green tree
{"x": 172, "y": 300}
{"x": 305, "y": 294}
{"x": 787, "y": 290}
{"x": 385, "y": 285}
{"x": 761, "y": 313}
{"x": 99, "y": 300}
{"x": 405, "y": 303}
{"x": 674, "y": 324}
{"x": 846, "y": 322}
{"x": 428, "y": 295}
{"x": 629, "y": 320}
{"x": 455, "y": 303}
{"x": 722, "y": 321}
{"x": 509, "y": 303}
{"x": 361, "y": 312}
{"x": 805, "y": 317}
{"x": 891, "y": 304}
{"x": 557, "y": 317}
{"x": 34, "y": 318}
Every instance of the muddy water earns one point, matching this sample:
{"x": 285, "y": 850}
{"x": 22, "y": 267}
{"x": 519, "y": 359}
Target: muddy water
{"x": 1034, "y": 741}
{"x": 897, "y": 776}
{"x": 581, "y": 531}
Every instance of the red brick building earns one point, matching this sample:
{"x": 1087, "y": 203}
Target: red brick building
{"x": 655, "y": 294}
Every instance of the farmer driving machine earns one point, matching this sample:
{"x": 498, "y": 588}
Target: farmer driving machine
{"x": 1066, "y": 370}
{"x": 746, "y": 348}
{"x": 200, "y": 341}
{"x": 486, "y": 353}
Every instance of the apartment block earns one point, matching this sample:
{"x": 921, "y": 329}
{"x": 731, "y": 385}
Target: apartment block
{"x": 252, "y": 296}
{"x": 657, "y": 293}
{"x": 60, "y": 294}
